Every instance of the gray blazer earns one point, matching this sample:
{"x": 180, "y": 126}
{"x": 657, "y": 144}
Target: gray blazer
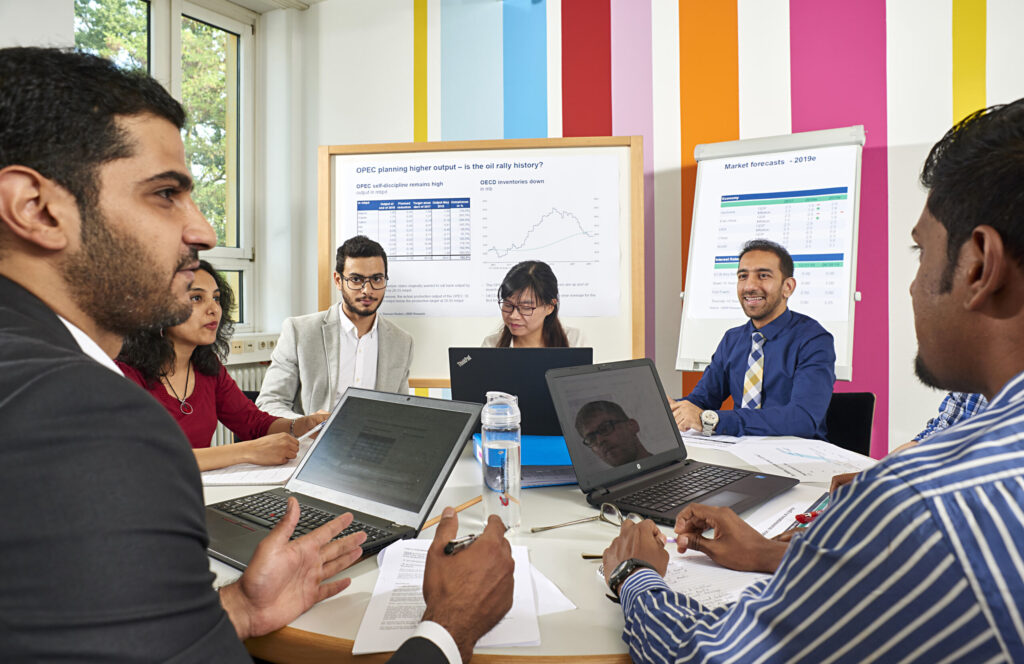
{"x": 302, "y": 377}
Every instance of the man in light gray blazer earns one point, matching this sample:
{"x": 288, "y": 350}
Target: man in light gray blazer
{"x": 318, "y": 356}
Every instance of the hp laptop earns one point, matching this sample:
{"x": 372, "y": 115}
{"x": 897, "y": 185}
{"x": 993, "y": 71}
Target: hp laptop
{"x": 518, "y": 371}
{"x": 383, "y": 457}
{"x": 626, "y": 448}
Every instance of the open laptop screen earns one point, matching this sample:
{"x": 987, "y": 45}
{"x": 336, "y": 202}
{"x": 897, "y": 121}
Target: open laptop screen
{"x": 616, "y": 421}
{"x": 387, "y": 452}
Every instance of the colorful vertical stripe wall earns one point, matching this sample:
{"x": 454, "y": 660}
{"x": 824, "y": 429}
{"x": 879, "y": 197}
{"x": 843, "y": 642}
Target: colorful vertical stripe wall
{"x": 905, "y": 69}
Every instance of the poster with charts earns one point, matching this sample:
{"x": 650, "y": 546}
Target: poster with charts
{"x": 799, "y": 190}
{"x": 453, "y": 223}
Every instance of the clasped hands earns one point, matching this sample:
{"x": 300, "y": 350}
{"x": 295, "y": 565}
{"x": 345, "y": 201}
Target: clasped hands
{"x": 734, "y": 544}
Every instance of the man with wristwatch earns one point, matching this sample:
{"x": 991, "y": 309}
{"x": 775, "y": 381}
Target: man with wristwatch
{"x": 778, "y": 367}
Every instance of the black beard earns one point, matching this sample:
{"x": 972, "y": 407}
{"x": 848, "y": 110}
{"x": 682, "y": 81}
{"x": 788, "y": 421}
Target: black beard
{"x": 925, "y": 375}
{"x": 112, "y": 280}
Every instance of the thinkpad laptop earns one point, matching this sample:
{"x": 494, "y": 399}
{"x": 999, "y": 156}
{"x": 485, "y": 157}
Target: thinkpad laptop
{"x": 520, "y": 371}
{"x": 626, "y": 448}
{"x": 383, "y": 457}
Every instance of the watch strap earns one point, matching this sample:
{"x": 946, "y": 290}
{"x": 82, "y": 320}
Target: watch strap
{"x": 623, "y": 571}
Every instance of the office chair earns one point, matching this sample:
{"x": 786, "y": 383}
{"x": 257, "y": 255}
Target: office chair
{"x": 848, "y": 420}
{"x": 252, "y": 394}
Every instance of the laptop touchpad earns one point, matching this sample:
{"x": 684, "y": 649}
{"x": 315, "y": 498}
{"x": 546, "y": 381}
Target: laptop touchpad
{"x": 724, "y": 498}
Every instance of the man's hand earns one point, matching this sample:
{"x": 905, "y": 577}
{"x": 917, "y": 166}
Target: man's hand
{"x": 840, "y": 480}
{"x": 270, "y": 450}
{"x": 687, "y": 415}
{"x": 304, "y": 424}
{"x": 287, "y": 577}
{"x": 468, "y": 592}
{"x": 642, "y": 541}
{"x": 734, "y": 545}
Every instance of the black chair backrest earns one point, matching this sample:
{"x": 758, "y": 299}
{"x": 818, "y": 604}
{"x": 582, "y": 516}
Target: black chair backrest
{"x": 252, "y": 394}
{"x": 849, "y": 419}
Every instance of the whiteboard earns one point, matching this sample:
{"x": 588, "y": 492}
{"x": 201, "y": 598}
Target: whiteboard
{"x": 800, "y": 190}
{"x": 454, "y": 217}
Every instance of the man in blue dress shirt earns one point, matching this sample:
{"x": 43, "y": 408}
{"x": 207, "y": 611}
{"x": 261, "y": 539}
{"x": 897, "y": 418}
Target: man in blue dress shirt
{"x": 779, "y": 367}
{"x": 918, "y": 559}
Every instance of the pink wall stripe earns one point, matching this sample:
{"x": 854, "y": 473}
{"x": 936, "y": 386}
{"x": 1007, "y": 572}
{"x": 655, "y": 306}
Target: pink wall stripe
{"x": 837, "y": 56}
{"x": 633, "y": 113}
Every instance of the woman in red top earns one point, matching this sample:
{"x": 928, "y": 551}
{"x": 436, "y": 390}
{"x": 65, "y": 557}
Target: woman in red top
{"x": 181, "y": 367}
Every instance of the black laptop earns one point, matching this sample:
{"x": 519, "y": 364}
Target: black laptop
{"x": 626, "y": 448}
{"x": 384, "y": 457}
{"x": 520, "y": 371}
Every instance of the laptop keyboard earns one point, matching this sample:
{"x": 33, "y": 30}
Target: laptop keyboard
{"x": 267, "y": 509}
{"x": 683, "y": 489}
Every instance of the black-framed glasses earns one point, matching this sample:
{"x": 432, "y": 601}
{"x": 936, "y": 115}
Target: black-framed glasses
{"x": 525, "y": 310}
{"x": 603, "y": 429}
{"x": 357, "y": 281}
{"x": 609, "y": 514}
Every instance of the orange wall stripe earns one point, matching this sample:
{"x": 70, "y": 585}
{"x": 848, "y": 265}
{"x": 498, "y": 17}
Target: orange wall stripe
{"x": 709, "y": 98}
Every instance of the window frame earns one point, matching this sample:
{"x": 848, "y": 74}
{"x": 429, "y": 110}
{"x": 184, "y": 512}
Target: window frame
{"x": 165, "y": 66}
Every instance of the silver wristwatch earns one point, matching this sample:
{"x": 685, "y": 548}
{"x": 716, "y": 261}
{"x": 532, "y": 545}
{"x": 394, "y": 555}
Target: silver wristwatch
{"x": 708, "y": 420}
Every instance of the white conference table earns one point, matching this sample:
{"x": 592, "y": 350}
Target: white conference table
{"x": 590, "y": 633}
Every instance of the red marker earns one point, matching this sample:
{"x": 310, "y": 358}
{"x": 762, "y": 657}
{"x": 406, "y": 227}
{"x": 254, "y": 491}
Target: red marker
{"x": 807, "y": 517}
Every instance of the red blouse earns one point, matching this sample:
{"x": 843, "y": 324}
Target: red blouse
{"x": 214, "y": 398}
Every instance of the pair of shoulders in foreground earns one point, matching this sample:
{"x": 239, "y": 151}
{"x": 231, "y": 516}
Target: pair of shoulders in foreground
{"x": 917, "y": 559}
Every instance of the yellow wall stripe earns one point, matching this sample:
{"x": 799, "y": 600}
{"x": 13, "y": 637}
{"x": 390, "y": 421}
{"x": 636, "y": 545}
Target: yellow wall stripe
{"x": 968, "y": 57}
{"x": 422, "y": 391}
{"x": 419, "y": 73}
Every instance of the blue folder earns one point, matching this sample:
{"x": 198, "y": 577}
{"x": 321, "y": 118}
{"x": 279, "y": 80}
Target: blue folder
{"x": 545, "y": 460}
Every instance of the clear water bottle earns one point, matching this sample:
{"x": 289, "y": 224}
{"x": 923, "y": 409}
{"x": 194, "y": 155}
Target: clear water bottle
{"x": 502, "y": 468}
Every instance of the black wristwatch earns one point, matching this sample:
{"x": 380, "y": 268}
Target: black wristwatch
{"x": 622, "y": 572}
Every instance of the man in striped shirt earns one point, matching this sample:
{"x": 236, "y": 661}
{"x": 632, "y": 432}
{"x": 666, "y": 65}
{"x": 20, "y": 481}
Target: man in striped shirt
{"x": 919, "y": 558}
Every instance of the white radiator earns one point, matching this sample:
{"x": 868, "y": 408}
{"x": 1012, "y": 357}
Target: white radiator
{"x": 248, "y": 377}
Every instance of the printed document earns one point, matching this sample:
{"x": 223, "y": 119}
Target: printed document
{"x": 802, "y": 458}
{"x": 397, "y": 603}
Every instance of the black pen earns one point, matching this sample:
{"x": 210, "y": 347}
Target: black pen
{"x": 456, "y": 545}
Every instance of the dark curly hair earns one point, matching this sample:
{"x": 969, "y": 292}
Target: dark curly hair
{"x": 974, "y": 176}
{"x": 59, "y": 111}
{"x": 359, "y": 246}
{"x": 537, "y": 277}
{"x": 151, "y": 352}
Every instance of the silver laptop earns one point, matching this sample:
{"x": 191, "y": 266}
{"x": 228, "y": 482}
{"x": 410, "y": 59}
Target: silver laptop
{"x": 626, "y": 448}
{"x": 383, "y": 457}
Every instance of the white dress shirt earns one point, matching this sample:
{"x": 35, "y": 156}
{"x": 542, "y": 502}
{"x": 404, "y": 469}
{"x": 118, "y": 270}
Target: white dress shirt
{"x": 90, "y": 347}
{"x": 357, "y": 356}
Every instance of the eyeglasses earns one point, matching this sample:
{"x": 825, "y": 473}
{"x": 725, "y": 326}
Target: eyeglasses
{"x": 604, "y": 429}
{"x": 609, "y": 514}
{"x": 525, "y": 310}
{"x": 357, "y": 281}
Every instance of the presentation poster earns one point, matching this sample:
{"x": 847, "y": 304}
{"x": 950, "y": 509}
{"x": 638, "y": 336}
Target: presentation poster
{"x": 453, "y": 223}
{"x": 804, "y": 200}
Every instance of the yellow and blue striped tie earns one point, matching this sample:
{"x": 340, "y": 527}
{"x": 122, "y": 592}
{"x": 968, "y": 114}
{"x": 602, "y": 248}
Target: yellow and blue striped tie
{"x": 754, "y": 378}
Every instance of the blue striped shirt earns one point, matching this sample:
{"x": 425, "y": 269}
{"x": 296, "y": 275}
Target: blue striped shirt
{"x": 919, "y": 559}
{"x": 956, "y": 407}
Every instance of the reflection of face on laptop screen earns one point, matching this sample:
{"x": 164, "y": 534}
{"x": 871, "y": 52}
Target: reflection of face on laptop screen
{"x": 388, "y": 452}
{"x": 619, "y": 417}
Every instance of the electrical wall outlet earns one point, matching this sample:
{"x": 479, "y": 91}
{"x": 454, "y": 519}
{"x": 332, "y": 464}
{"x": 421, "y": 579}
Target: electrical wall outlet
{"x": 236, "y": 347}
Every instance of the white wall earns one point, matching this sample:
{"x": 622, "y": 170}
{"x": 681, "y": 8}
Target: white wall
{"x": 920, "y": 94}
{"x": 37, "y": 23}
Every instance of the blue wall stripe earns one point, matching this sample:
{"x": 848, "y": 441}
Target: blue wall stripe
{"x": 471, "y": 70}
{"x": 525, "y": 67}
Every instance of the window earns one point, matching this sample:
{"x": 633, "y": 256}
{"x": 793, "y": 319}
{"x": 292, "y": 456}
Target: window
{"x": 115, "y": 29}
{"x": 205, "y": 59}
